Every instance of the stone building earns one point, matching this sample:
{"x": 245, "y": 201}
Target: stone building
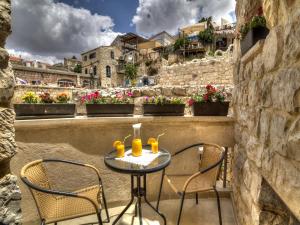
{"x": 72, "y": 63}
{"x": 50, "y": 77}
{"x": 102, "y": 62}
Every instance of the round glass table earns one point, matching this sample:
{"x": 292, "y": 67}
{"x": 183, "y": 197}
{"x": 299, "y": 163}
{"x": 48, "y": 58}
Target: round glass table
{"x": 149, "y": 163}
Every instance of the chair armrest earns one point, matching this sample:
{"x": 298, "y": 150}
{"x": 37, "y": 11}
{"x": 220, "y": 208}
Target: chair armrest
{"x": 186, "y": 148}
{"x": 77, "y": 164}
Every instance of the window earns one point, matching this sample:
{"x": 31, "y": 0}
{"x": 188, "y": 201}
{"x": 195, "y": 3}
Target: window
{"x": 85, "y": 83}
{"x": 95, "y": 70}
{"x": 85, "y": 58}
{"x": 92, "y": 55}
{"x": 66, "y": 83}
{"x": 86, "y": 71}
{"x": 108, "y": 71}
{"x": 112, "y": 55}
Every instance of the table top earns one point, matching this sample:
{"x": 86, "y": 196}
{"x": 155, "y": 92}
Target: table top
{"x": 162, "y": 160}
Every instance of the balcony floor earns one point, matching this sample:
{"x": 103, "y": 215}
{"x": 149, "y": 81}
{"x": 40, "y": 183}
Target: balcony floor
{"x": 205, "y": 213}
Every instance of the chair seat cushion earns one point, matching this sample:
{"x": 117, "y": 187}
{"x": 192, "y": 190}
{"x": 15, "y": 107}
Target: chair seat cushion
{"x": 65, "y": 207}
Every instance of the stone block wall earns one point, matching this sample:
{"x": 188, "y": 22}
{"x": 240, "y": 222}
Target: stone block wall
{"x": 214, "y": 70}
{"x": 266, "y": 101}
{"x": 10, "y": 211}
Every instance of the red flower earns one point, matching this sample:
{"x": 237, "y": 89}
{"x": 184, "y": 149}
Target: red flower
{"x": 208, "y": 87}
{"x": 191, "y": 102}
{"x": 205, "y": 97}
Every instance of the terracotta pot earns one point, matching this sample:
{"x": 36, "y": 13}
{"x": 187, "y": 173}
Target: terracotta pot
{"x": 164, "y": 110}
{"x": 94, "y": 110}
{"x": 210, "y": 109}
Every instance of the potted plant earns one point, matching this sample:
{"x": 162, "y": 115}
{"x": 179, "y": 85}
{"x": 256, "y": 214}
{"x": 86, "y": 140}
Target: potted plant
{"x": 108, "y": 104}
{"x": 253, "y": 31}
{"x": 44, "y": 106}
{"x": 163, "y": 106}
{"x": 210, "y": 103}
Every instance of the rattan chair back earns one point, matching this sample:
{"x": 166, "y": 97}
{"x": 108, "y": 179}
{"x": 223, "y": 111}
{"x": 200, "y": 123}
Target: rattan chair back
{"x": 211, "y": 154}
{"x": 35, "y": 173}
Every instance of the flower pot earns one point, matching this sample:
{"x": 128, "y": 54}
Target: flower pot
{"x": 253, "y": 36}
{"x": 210, "y": 109}
{"x": 164, "y": 110}
{"x": 94, "y": 110}
{"x": 42, "y": 111}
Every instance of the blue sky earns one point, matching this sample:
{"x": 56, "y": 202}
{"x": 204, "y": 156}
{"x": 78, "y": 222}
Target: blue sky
{"x": 121, "y": 11}
{"x": 49, "y": 30}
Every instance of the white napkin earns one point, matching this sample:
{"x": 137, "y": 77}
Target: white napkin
{"x": 144, "y": 160}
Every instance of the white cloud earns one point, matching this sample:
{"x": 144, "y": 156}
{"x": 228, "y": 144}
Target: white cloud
{"x": 153, "y": 16}
{"x": 28, "y": 56}
{"x": 50, "y": 29}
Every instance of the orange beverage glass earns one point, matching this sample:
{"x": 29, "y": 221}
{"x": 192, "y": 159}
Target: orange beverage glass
{"x": 136, "y": 147}
{"x": 154, "y": 147}
{"x": 120, "y": 150}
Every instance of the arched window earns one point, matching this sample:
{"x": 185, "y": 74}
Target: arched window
{"x": 112, "y": 55}
{"x": 95, "y": 70}
{"x": 108, "y": 71}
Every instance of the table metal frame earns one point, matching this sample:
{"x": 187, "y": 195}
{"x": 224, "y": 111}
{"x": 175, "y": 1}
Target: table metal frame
{"x": 138, "y": 191}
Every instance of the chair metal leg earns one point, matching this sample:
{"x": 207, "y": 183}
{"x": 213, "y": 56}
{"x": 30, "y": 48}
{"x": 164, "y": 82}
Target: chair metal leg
{"x": 180, "y": 210}
{"x": 219, "y": 206}
{"x": 99, "y": 218}
{"x": 43, "y": 222}
{"x": 197, "y": 198}
{"x": 105, "y": 206}
{"x": 161, "y": 185}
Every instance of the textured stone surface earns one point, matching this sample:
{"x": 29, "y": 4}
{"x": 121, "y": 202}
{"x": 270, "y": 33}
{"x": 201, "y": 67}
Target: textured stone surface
{"x": 7, "y": 134}
{"x": 217, "y": 70}
{"x": 10, "y": 196}
{"x": 266, "y": 173}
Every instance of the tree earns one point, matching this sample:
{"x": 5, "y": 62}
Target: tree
{"x": 204, "y": 19}
{"x": 181, "y": 42}
{"x": 130, "y": 71}
{"x": 78, "y": 68}
{"x": 206, "y": 36}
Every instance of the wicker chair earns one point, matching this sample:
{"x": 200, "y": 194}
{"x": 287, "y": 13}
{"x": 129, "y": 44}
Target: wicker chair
{"x": 204, "y": 180}
{"x": 53, "y": 205}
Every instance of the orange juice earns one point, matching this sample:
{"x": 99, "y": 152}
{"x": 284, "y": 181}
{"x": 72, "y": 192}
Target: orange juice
{"x": 120, "y": 150}
{"x": 154, "y": 147}
{"x": 136, "y": 147}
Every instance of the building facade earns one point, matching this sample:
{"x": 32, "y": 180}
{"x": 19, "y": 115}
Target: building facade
{"x": 102, "y": 62}
{"x": 50, "y": 77}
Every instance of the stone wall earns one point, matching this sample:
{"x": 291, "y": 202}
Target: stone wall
{"x": 266, "y": 101}
{"x": 10, "y": 212}
{"x": 213, "y": 70}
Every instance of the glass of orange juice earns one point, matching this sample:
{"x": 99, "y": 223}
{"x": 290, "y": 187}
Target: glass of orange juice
{"x": 137, "y": 142}
{"x": 120, "y": 147}
{"x": 154, "y": 143}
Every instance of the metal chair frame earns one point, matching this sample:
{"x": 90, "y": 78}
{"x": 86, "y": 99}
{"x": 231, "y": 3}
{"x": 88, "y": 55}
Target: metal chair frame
{"x": 35, "y": 187}
{"x": 202, "y": 171}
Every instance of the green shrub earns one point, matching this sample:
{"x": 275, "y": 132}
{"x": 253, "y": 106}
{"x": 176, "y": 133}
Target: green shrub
{"x": 206, "y": 36}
